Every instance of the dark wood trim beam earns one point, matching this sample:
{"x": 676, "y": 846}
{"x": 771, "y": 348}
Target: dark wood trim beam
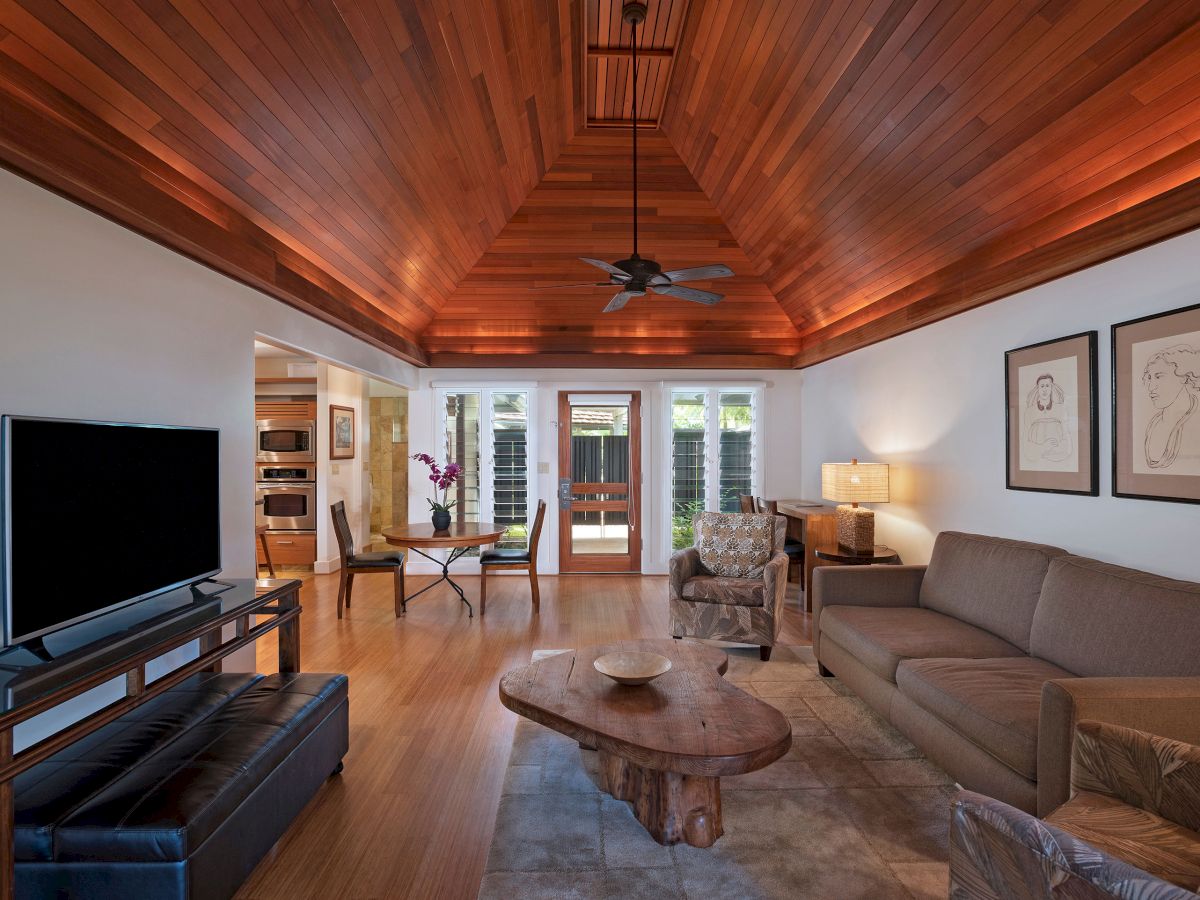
{"x": 621, "y": 123}
{"x": 48, "y": 138}
{"x": 626, "y": 52}
{"x": 611, "y": 360}
{"x": 975, "y": 280}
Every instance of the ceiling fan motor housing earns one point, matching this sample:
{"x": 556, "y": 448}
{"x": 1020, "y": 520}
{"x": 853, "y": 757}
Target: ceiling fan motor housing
{"x": 640, "y": 272}
{"x": 634, "y": 12}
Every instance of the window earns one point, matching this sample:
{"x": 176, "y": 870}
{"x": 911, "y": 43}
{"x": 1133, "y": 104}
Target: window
{"x": 487, "y": 433}
{"x": 714, "y": 453}
{"x": 510, "y": 466}
{"x": 689, "y": 418}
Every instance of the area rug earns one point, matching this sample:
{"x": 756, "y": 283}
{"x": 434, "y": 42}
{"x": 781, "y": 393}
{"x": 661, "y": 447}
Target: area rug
{"x": 853, "y": 810}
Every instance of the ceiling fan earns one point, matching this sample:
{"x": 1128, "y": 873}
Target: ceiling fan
{"x": 637, "y": 275}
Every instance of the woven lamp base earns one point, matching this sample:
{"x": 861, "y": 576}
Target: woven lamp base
{"x": 856, "y": 528}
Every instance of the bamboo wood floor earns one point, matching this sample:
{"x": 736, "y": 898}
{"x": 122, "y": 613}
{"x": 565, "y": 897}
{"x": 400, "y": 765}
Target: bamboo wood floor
{"x": 412, "y": 815}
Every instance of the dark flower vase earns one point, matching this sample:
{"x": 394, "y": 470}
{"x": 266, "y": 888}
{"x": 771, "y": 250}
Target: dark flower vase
{"x": 441, "y": 520}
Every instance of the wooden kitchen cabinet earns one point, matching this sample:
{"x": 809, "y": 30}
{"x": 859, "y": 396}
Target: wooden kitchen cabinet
{"x": 289, "y": 549}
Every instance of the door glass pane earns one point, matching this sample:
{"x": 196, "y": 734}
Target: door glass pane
{"x": 510, "y": 467}
{"x": 736, "y": 448}
{"x": 600, "y": 453}
{"x": 461, "y": 417}
{"x": 689, "y": 417}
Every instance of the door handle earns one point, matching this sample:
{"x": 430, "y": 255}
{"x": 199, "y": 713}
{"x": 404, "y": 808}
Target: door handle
{"x": 564, "y": 493}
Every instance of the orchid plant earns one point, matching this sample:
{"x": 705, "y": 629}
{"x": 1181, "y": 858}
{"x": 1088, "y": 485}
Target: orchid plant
{"x": 441, "y": 478}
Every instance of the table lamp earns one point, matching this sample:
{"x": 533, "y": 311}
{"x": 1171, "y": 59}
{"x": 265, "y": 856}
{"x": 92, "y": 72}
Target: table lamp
{"x": 854, "y": 483}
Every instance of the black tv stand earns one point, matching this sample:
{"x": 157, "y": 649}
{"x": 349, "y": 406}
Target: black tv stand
{"x": 199, "y": 595}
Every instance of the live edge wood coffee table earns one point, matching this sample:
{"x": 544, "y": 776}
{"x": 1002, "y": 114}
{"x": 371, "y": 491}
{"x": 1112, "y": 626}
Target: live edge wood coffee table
{"x": 663, "y": 746}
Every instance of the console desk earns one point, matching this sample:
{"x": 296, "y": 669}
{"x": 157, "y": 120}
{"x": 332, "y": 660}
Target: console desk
{"x": 814, "y": 525}
{"x": 40, "y": 675}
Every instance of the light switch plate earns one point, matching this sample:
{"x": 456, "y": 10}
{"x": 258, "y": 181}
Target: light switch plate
{"x": 334, "y": 468}
{"x": 543, "y": 468}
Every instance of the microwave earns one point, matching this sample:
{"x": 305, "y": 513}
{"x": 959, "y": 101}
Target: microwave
{"x": 286, "y": 440}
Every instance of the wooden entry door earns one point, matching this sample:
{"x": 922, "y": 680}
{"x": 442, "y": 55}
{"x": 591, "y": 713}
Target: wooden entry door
{"x": 599, "y": 481}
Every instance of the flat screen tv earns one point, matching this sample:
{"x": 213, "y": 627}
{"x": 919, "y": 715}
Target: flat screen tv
{"x": 97, "y": 515}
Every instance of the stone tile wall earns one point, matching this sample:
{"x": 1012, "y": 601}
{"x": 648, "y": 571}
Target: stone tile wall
{"x": 389, "y": 464}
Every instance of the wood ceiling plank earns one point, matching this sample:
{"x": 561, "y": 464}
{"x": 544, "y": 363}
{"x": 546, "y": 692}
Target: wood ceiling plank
{"x": 1058, "y": 135}
{"x": 381, "y": 145}
{"x": 878, "y": 163}
{"x": 884, "y": 142}
{"x": 582, "y": 208}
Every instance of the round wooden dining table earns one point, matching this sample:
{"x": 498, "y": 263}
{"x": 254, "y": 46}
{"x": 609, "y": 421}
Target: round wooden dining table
{"x": 459, "y": 538}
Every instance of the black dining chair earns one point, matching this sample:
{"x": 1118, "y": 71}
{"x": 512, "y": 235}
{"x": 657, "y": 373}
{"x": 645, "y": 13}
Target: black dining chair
{"x": 514, "y": 558}
{"x": 363, "y": 563}
{"x": 792, "y": 547}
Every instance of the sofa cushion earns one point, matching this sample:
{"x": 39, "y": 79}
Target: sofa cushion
{"x": 735, "y": 545}
{"x": 993, "y": 703}
{"x": 880, "y": 637}
{"x": 730, "y": 591}
{"x": 990, "y": 582}
{"x": 1097, "y": 619}
{"x": 1137, "y": 836}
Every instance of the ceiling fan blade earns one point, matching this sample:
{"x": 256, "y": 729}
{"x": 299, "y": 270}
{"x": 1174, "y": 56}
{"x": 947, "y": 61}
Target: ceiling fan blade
{"x": 699, "y": 273}
{"x": 687, "y": 293}
{"x": 618, "y": 301}
{"x": 556, "y": 287}
{"x": 610, "y": 269}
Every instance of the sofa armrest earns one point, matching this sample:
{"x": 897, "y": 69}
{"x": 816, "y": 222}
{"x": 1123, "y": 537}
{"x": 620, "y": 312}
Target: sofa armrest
{"x": 684, "y": 564}
{"x": 999, "y": 851}
{"x": 862, "y": 586}
{"x": 1169, "y": 707}
{"x": 1139, "y": 769}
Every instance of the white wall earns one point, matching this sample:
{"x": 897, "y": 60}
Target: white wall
{"x": 340, "y": 479}
{"x": 779, "y": 445}
{"x": 931, "y": 403}
{"x": 99, "y": 323}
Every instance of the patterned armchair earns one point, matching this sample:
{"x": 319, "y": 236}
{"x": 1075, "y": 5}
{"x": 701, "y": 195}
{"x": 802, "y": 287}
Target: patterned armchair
{"x": 730, "y": 585}
{"x": 1130, "y": 829}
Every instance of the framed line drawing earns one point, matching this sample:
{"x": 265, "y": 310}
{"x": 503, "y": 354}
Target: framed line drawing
{"x": 1050, "y": 398}
{"x": 341, "y": 432}
{"x": 1156, "y": 406}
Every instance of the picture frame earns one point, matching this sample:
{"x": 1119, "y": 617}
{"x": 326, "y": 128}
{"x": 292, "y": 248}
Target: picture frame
{"x": 1051, "y": 422}
{"x": 1156, "y": 406}
{"x": 342, "y": 432}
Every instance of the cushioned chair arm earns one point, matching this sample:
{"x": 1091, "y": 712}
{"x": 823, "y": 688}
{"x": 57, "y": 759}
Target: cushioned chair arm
{"x": 775, "y": 575}
{"x": 999, "y": 851}
{"x": 1140, "y": 769}
{"x": 1169, "y": 707}
{"x": 862, "y": 586}
{"x": 684, "y": 564}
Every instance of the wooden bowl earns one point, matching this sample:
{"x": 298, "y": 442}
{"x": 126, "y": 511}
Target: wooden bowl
{"x": 632, "y": 666}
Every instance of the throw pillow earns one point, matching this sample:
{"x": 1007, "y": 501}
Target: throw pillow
{"x": 733, "y": 544}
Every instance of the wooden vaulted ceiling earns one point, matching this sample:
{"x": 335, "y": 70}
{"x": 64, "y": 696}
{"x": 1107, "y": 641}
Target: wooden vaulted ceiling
{"x": 408, "y": 169}
{"x": 582, "y": 208}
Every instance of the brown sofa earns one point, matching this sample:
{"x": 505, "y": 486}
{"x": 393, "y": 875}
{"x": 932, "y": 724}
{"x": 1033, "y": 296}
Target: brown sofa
{"x": 988, "y": 657}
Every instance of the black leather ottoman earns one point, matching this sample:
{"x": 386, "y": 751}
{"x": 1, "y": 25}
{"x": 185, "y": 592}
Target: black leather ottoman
{"x": 182, "y": 797}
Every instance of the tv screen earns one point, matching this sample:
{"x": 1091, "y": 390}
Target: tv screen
{"x": 100, "y": 514}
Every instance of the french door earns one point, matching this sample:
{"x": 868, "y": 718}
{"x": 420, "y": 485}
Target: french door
{"x": 599, "y": 481}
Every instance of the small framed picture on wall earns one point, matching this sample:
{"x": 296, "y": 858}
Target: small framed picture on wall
{"x": 1156, "y": 406}
{"x": 1050, "y": 393}
{"x": 341, "y": 432}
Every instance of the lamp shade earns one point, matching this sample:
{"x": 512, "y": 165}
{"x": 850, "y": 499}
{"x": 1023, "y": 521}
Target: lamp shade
{"x": 854, "y": 482}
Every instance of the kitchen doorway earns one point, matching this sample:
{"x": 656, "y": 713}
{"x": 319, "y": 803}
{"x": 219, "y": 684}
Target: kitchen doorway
{"x": 599, "y": 485}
